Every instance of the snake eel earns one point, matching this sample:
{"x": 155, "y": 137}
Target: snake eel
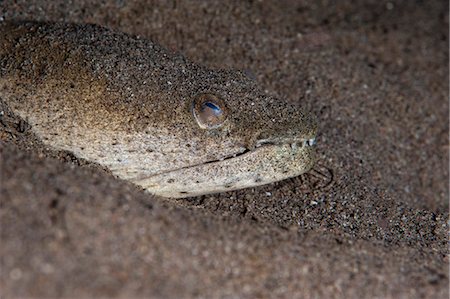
{"x": 152, "y": 117}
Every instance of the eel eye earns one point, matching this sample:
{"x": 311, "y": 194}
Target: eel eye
{"x": 209, "y": 111}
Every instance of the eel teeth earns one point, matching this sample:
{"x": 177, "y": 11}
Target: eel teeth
{"x": 309, "y": 142}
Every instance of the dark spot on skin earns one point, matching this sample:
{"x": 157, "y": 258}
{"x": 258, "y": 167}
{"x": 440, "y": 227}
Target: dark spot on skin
{"x": 53, "y": 212}
{"x": 188, "y": 145}
{"x": 197, "y": 182}
{"x": 258, "y": 180}
{"x": 228, "y": 186}
{"x": 170, "y": 181}
{"x": 183, "y": 192}
{"x": 22, "y": 126}
{"x": 53, "y": 204}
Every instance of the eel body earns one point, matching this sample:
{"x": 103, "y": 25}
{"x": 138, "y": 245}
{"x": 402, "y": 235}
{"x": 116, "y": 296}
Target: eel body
{"x": 150, "y": 116}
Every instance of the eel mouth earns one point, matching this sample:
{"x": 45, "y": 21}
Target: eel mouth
{"x": 294, "y": 145}
{"x": 267, "y": 162}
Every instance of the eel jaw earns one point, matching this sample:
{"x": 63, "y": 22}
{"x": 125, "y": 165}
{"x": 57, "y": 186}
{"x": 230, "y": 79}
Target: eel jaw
{"x": 266, "y": 163}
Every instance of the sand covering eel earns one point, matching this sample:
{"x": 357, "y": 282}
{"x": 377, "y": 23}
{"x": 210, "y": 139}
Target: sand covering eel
{"x": 150, "y": 116}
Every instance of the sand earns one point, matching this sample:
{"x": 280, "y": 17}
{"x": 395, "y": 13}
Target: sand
{"x": 369, "y": 221}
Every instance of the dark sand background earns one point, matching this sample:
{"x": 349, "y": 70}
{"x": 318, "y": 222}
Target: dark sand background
{"x": 374, "y": 225}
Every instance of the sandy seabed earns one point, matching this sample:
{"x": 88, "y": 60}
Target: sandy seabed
{"x": 369, "y": 222}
